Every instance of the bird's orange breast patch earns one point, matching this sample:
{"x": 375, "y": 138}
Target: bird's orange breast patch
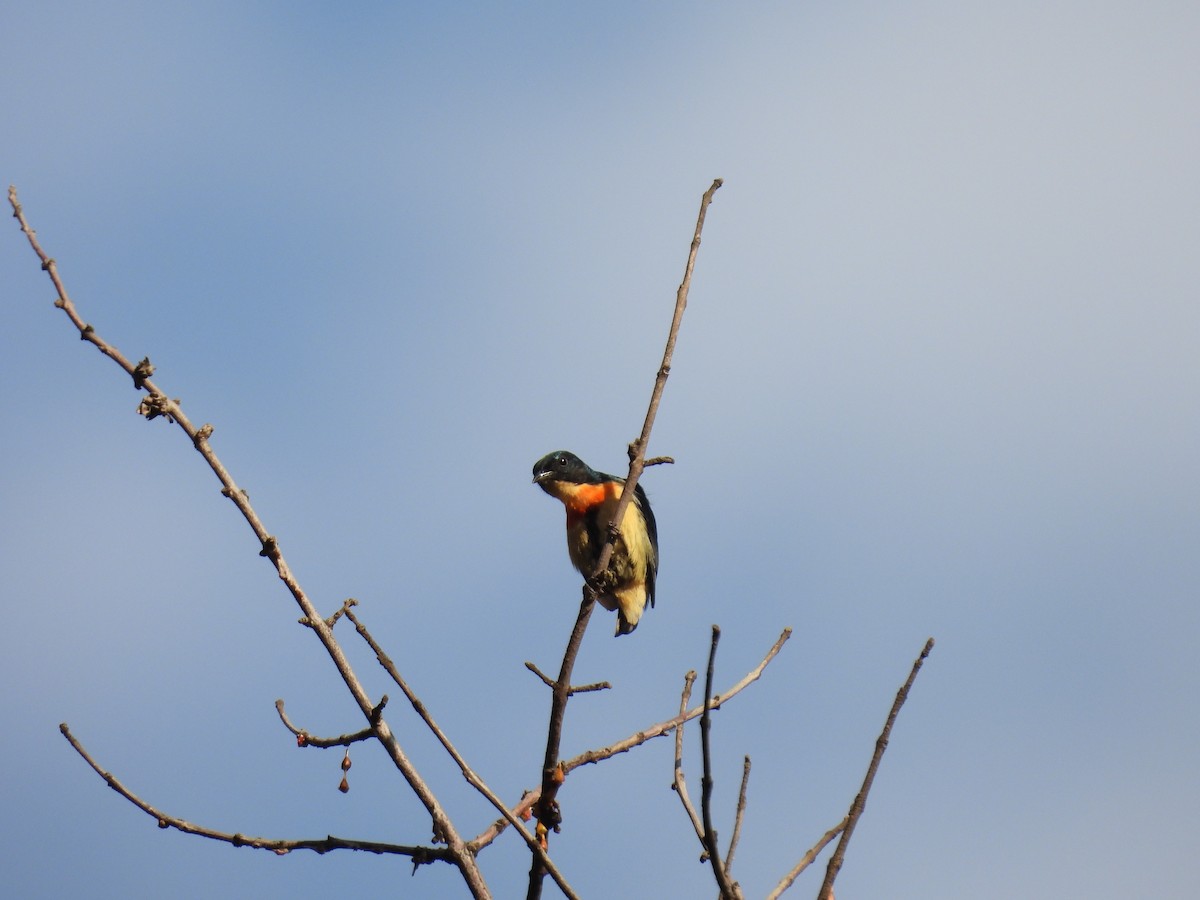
{"x": 580, "y": 498}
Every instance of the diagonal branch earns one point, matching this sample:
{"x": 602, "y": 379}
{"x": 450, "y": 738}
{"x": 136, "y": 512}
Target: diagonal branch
{"x": 806, "y": 860}
{"x": 739, "y": 815}
{"x": 637, "y": 450}
{"x": 666, "y": 727}
{"x": 420, "y": 855}
{"x": 157, "y": 403}
{"x": 467, "y": 772}
{"x": 860, "y": 801}
{"x": 522, "y": 810}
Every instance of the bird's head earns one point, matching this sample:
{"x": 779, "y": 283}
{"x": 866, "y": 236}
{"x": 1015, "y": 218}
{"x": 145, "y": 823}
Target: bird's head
{"x": 563, "y": 466}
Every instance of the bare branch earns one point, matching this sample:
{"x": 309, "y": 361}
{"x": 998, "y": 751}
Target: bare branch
{"x": 741, "y": 813}
{"x": 662, "y": 728}
{"x": 157, "y": 403}
{"x": 546, "y": 808}
{"x": 523, "y": 810}
{"x": 546, "y": 679}
{"x": 679, "y": 785}
{"x": 860, "y": 801}
{"x": 420, "y": 855}
{"x": 467, "y": 772}
{"x": 806, "y": 860}
{"x": 341, "y": 611}
{"x": 530, "y": 799}
{"x": 590, "y": 688}
{"x": 574, "y": 689}
{"x": 637, "y": 450}
{"x": 728, "y": 889}
{"x": 304, "y": 739}
{"x": 50, "y": 267}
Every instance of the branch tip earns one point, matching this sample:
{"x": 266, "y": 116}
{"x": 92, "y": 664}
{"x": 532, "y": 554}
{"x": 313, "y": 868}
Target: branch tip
{"x": 860, "y": 800}
{"x": 377, "y": 711}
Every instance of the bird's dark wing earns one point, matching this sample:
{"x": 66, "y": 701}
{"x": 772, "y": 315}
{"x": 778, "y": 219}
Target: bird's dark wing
{"x": 643, "y": 503}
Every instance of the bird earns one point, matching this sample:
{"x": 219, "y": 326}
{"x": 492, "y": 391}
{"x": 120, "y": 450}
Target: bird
{"x": 590, "y": 498}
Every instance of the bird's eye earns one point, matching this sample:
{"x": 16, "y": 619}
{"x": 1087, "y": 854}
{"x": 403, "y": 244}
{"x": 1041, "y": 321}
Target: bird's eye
{"x": 562, "y": 461}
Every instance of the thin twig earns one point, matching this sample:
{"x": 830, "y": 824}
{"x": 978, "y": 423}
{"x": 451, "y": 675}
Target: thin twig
{"x": 860, "y": 801}
{"x": 806, "y": 860}
{"x": 739, "y": 815}
{"x": 304, "y": 739}
{"x": 666, "y": 727}
{"x": 590, "y": 688}
{"x": 679, "y": 784}
{"x": 728, "y": 892}
{"x": 420, "y": 855}
{"x": 157, "y": 403}
{"x": 546, "y": 679}
{"x": 575, "y": 689}
{"x": 523, "y": 810}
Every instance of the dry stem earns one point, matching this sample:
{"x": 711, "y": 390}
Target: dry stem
{"x": 420, "y": 855}
{"x": 860, "y": 800}
{"x": 157, "y": 403}
{"x": 546, "y": 807}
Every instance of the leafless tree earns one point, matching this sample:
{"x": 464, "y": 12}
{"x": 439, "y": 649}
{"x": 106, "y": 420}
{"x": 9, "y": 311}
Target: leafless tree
{"x": 540, "y": 806}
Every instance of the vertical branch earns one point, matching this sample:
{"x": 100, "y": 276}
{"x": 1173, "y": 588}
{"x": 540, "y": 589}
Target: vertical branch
{"x": 728, "y": 891}
{"x": 547, "y": 809}
{"x": 679, "y": 785}
{"x": 860, "y": 801}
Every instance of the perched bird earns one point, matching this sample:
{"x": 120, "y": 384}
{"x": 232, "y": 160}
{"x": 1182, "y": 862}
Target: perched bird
{"x": 591, "y": 499}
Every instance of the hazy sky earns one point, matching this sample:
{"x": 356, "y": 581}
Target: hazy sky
{"x": 939, "y": 376}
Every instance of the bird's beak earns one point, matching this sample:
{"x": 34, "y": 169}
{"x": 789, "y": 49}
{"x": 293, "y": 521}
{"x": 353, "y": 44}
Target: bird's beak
{"x": 539, "y": 477}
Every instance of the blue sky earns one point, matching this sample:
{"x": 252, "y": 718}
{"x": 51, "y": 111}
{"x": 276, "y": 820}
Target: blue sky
{"x": 938, "y": 377}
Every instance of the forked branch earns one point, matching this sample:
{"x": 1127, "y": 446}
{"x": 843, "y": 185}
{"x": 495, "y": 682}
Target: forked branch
{"x": 156, "y": 403}
{"x": 660, "y": 729}
{"x": 420, "y": 855}
{"x": 546, "y": 808}
{"x": 467, "y": 772}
